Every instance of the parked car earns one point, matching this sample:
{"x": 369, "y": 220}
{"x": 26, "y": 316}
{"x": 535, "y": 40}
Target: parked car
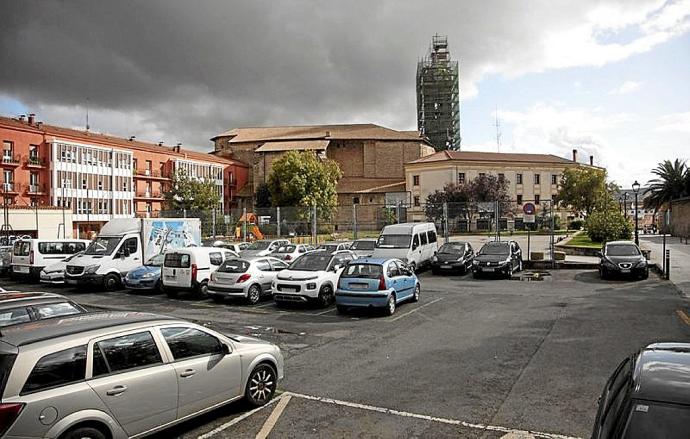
{"x": 290, "y": 252}
{"x": 16, "y": 307}
{"x": 246, "y": 278}
{"x": 147, "y": 277}
{"x": 30, "y": 256}
{"x": 502, "y": 258}
{"x": 332, "y": 247}
{"x": 189, "y": 269}
{"x": 55, "y": 273}
{"x": 311, "y": 278}
{"x": 263, "y": 247}
{"x": 5, "y": 259}
{"x": 647, "y": 396}
{"x": 379, "y": 283}
{"x": 363, "y": 248}
{"x": 453, "y": 256}
{"x": 237, "y": 247}
{"x": 117, "y": 375}
{"x": 622, "y": 258}
{"x": 413, "y": 243}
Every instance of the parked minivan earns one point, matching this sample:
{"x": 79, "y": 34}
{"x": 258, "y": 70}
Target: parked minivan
{"x": 413, "y": 243}
{"x": 189, "y": 269}
{"x": 30, "y": 256}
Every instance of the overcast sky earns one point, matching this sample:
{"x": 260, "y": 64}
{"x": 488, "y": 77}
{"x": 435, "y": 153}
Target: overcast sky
{"x": 607, "y": 77}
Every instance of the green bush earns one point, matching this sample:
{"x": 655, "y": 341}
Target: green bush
{"x": 576, "y": 224}
{"x": 608, "y": 225}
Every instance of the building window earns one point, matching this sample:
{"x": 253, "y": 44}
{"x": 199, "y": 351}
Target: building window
{"x": 83, "y": 183}
{"x": 554, "y": 179}
{"x": 537, "y": 199}
{"x": 461, "y": 178}
{"x": 34, "y": 202}
{"x": 537, "y": 178}
{"x": 415, "y": 180}
{"x": 355, "y": 200}
{"x": 482, "y": 174}
{"x": 8, "y": 201}
{"x": 149, "y": 208}
{"x": 519, "y": 198}
{"x": 100, "y": 184}
{"x": 33, "y": 152}
{"x": 416, "y": 200}
{"x": 518, "y": 178}
{"x": 501, "y": 176}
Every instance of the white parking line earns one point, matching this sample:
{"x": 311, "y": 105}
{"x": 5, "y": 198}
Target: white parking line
{"x": 265, "y": 305}
{"x": 324, "y": 312}
{"x": 234, "y": 421}
{"x": 414, "y": 310}
{"x": 273, "y": 418}
{"x": 498, "y": 428}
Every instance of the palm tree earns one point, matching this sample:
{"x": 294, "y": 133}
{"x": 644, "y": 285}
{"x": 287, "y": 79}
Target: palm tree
{"x": 672, "y": 182}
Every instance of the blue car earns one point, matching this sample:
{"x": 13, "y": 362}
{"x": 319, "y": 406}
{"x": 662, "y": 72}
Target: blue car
{"x": 376, "y": 283}
{"x": 146, "y": 277}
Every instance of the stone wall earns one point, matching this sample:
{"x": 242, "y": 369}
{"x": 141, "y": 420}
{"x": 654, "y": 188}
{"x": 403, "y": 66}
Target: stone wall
{"x": 680, "y": 217}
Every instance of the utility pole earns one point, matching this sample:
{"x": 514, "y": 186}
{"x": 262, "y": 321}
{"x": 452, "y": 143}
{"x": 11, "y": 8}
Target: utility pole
{"x": 498, "y": 131}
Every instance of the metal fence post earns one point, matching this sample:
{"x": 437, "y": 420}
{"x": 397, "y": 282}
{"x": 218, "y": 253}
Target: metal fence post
{"x": 354, "y": 221}
{"x": 244, "y": 224}
{"x": 553, "y": 241}
{"x": 278, "y": 221}
{"x": 213, "y": 222}
{"x": 313, "y": 226}
{"x": 446, "y": 236}
{"x": 663, "y": 254}
{"x": 398, "y": 208}
{"x": 668, "y": 264}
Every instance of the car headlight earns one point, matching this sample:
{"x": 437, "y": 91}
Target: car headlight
{"x": 147, "y": 275}
{"x": 91, "y": 269}
{"x": 642, "y": 263}
{"x": 311, "y": 286}
{"x": 475, "y": 262}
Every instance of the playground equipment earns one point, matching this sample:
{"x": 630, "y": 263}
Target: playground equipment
{"x": 248, "y": 223}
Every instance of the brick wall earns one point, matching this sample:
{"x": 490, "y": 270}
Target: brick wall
{"x": 680, "y": 217}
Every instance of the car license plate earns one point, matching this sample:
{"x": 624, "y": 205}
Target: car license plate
{"x": 625, "y": 270}
{"x": 169, "y": 276}
{"x": 488, "y": 269}
{"x": 359, "y": 286}
{"x": 288, "y": 289}
{"x": 446, "y": 266}
{"x": 21, "y": 269}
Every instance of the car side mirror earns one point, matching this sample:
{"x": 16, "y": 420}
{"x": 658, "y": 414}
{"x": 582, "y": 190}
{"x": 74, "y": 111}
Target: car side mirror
{"x": 225, "y": 349}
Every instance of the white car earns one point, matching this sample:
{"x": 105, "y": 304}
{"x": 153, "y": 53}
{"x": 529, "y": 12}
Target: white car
{"x": 189, "y": 269}
{"x": 245, "y": 278}
{"x": 290, "y": 252}
{"x": 333, "y": 247}
{"x": 55, "y": 273}
{"x": 311, "y": 277}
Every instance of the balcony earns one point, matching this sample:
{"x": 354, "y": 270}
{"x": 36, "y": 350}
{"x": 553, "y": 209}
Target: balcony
{"x": 34, "y": 162}
{"x": 148, "y": 196}
{"x": 9, "y": 188}
{"x": 149, "y": 174}
{"x": 9, "y": 159}
{"x": 144, "y": 214}
{"x": 35, "y": 189}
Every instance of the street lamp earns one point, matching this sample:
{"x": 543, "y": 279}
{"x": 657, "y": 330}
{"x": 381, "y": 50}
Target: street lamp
{"x": 636, "y": 189}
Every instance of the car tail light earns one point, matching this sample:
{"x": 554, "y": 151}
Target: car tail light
{"x": 245, "y": 277}
{"x": 195, "y": 270}
{"x": 31, "y": 257}
{"x": 382, "y": 283}
{"x": 8, "y": 414}
{"x": 288, "y": 257}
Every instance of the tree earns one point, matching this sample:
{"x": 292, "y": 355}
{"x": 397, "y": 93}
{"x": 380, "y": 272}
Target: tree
{"x": 263, "y": 195}
{"x": 300, "y": 178}
{"x": 191, "y": 193}
{"x": 608, "y": 225}
{"x": 673, "y": 181}
{"x": 454, "y": 194}
{"x": 583, "y": 189}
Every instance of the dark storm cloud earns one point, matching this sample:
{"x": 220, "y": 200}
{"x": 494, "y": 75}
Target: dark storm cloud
{"x": 190, "y": 69}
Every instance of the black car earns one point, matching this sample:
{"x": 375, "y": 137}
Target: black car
{"x": 648, "y": 396}
{"x": 453, "y": 257}
{"x": 17, "y": 307}
{"x": 501, "y": 258}
{"x": 623, "y": 258}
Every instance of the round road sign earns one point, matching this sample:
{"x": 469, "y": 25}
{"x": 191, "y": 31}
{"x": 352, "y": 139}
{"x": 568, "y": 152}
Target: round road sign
{"x": 529, "y": 209}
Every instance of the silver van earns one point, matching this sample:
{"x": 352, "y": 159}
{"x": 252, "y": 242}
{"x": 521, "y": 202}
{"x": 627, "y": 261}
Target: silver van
{"x": 124, "y": 374}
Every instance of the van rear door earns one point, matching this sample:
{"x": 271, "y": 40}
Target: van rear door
{"x": 177, "y": 270}
{"x": 20, "y": 257}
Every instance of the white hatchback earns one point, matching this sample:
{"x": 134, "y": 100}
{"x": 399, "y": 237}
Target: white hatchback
{"x": 189, "y": 269}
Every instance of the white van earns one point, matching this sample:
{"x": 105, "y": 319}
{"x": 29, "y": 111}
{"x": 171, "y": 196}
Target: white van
{"x": 413, "y": 243}
{"x": 30, "y": 256}
{"x": 190, "y": 268}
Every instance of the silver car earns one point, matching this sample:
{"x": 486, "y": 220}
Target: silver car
{"x": 5, "y": 259}
{"x": 248, "y": 278}
{"x": 55, "y": 273}
{"x": 363, "y": 248}
{"x": 124, "y": 374}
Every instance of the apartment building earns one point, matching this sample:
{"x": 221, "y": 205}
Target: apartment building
{"x": 98, "y": 177}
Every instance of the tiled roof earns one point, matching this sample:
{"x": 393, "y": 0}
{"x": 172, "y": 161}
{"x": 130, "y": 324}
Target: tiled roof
{"x": 106, "y": 139}
{"x": 367, "y": 131}
{"x": 289, "y": 145}
{"x": 472, "y": 156}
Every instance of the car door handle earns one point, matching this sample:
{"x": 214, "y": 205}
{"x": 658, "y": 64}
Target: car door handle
{"x": 136, "y": 259}
{"x": 187, "y": 373}
{"x": 117, "y": 390}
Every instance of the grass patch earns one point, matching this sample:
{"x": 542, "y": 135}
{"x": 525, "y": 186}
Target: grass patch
{"x": 583, "y": 240}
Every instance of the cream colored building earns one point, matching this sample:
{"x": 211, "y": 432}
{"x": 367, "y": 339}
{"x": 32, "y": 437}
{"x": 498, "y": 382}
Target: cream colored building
{"x": 531, "y": 177}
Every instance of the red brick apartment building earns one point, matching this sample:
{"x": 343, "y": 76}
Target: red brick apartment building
{"x": 98, "y": 176}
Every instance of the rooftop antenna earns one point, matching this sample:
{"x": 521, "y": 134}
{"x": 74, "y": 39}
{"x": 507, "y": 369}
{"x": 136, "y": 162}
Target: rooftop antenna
{"x": 498, "y": 132}
{"x": 87, "y": 114}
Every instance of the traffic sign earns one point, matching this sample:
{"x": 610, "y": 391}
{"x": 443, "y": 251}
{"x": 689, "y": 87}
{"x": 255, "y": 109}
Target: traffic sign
{"x": 528, "y": 218}
{"x": 529, "y": 208}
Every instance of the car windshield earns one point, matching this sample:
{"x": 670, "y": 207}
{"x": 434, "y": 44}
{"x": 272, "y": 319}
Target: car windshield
{"x": 650, "y": 419}
{"x": 622, "y": 250}
{"x": 287, "y": 249}
{"x": 393, "y": 241}
{"x": 453, "y": 249}
{"x": 259, "y": 245}
{"x": 311, "y": 262}
{"x": 102, "y": 246}
{"x": 155, "y": 261}
{"x": 363, "y": 271}
{"x": 234, "y": 266}
{"x": 495, "y": 248}
{"x": 363, "y": 245}
{"x": 76, "y": 255}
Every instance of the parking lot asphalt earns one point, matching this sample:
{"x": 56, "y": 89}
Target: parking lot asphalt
{"x": 474, "y": 358}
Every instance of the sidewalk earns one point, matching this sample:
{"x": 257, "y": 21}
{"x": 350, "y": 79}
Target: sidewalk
{"x": 680, "y": 258}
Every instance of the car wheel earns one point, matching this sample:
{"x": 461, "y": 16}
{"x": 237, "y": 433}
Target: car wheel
{"x": 171, "y": 293}
{"x": 325, "y": 296}
{"x": 435, "y": 271}
{"x": 520, "y": 266}
{"x": 390, "y": 306}
{"x": 645, "y": 274}
{"x": 111, "y": 282}
{"x": 254, "y": 294}
{"x": 602, "y": 273}
{"x": 415, "y": 296}
{"x": 202, "y": 290}
{"x": 84, "y": 433}
{"x": 159, "y": 287}
{"x": 342, "y": 309}
{"x": 261, "y": 385}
